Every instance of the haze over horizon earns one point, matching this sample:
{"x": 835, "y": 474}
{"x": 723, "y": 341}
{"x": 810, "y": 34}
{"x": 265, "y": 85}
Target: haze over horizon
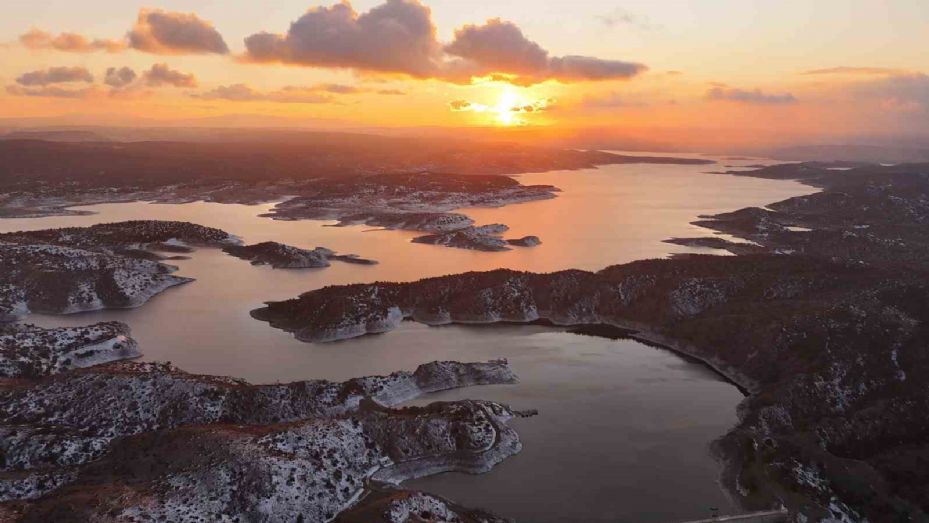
{"x": 700, "y": 73}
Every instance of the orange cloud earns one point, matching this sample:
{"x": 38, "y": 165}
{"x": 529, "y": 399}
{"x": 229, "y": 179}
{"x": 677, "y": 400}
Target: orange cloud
{"x": 51, "y": 91}
{"x": 55, "y": 75}
{"x": 119, "y": 77}
{"x": 843, "y": 70}
{"x": 756, "y": 96}
{"x": 68, "y": 42}
{"x": 165, "y": 32}
{"x": 309, "y": 94}
{"x": 290, "y": 94}
{"x": 462, "y": 106}
{"x": 161, "y": 75}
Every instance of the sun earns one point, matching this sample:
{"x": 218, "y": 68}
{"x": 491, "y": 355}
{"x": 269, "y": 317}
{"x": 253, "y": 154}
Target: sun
{"x": 512, "y": 107}
{"x": 506, "y": 116}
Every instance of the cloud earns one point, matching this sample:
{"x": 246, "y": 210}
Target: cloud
{"x": 50, "y": 91}
{"x": 501, "y": 47}
{"x": 120, "y": 77}
{"x": 498, "y": 46}
{"x": 621, "y": 17}
{"x": 901, "y": 93}
{"x": 395, "y": 37}
{"x": 55, "y": 75}
{"x": 537, "y": 106}
{"x": 161, "y": 75}
{"x": 464, "y": 106}
{"x": 290, "y": 94}
{"x": 399, "y": 37}
{"x": 756, "y": 96}
{"x": 609, "y": 101}
{"x": 165, "y": 32}
{"x": 854, "y": 71}
{"x": 579, "y": 68}
{"x": 338, "y": 88}
{"x": 68, "y": 42}
{"x": 317, "y": 93}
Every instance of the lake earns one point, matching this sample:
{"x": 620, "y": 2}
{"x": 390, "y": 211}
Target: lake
{"x": 623, "y": 429}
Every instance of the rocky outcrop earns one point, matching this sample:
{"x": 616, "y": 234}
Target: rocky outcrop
{"x": 824, "y": 323}
{"x": 718, "y": 243}
{"x": 525, "y": 241}
{"x": 168, "y": 236}
{"x": 483, "y": 238}
{"x": 282, "y": 256}
{"x": 411, "y": 221}
{"x": 27, "y": 351}
{"x": 112, "y": 265}
{"x": 147, "y": 441}
{"x": 309, "y": 470}
{"x": 64, "y": 280}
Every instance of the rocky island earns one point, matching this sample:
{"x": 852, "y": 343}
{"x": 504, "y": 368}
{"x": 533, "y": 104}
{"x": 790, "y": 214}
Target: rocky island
{"x": 418, "y": 202}
{"x": 79, "y": 269}
{"x": 147, "y": 441}
{"x": 483, "y": 238}
{"x": 280, "y": 256}
{"x": 823, "y": 321}
{"x": 525, "y": 241}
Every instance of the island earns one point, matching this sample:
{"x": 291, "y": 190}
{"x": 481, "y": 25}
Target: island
{"x": 821, "y": 319}
{"x": 281, "y": 256}
{"x": 418, "y": 202}
{"x": 525, "y": 241}
{"x": 481, "y": 238}
{"x": 78, "y": 269}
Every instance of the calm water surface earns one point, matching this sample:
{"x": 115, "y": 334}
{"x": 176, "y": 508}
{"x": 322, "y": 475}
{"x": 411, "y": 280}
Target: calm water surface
{"x": 623, "y": 430}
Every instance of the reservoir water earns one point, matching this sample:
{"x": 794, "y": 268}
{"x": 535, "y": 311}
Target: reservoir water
{"x": 623, "y": 430}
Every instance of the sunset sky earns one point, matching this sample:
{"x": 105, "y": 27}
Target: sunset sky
{"x": 808, "y": 69}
